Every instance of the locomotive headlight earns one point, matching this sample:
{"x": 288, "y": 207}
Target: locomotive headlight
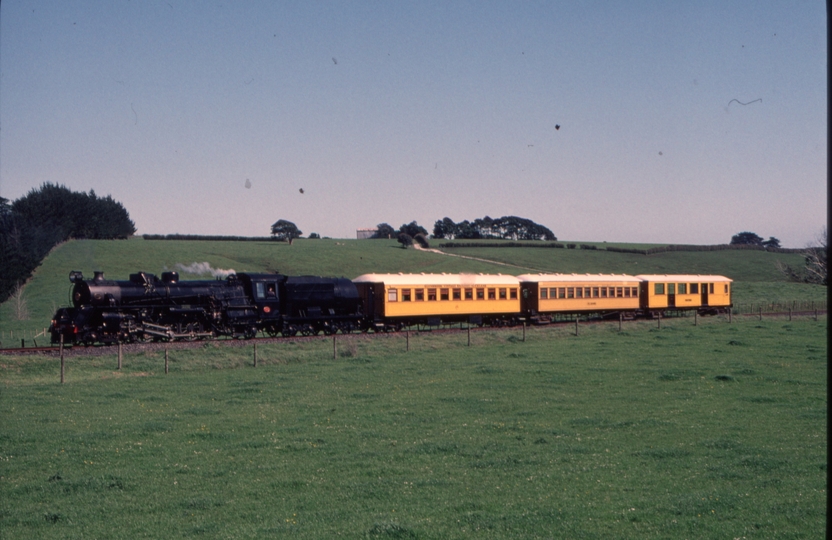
{"x": 267, "y": 309}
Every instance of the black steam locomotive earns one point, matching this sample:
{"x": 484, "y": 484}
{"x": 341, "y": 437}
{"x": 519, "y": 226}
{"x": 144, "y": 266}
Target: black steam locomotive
{"x": 148, "y": 308}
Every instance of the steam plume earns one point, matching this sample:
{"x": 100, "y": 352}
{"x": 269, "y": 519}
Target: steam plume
{"x": 204, "y": 268}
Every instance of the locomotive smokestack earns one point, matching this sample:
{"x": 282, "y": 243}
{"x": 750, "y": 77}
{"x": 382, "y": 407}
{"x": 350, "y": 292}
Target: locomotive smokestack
{"x": 99, "y": 276}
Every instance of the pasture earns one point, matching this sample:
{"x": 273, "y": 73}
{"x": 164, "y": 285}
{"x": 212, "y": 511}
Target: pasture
{"x": 709, "y": 431}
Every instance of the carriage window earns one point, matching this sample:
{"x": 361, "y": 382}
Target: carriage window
{"x": 603, "y": 292}
{"x": 420, "y": 295}
{"x": 480, "y": 294}
{"x": 544, "y": 293}
{"x": 405, "y": 295}
{"x": 443, "y": 294}
{"x": 711, "y": 288}
{"x": 658, "y": 288}
{"x": 694, "y": 288}
{"x": 469, "y": 294}
{"x": 726, "y": 288}
{"x": 570, "y": 292}
{"x": 503, "y": 293}
{"x": 259, "y": 290}
{"x": 595, "y": 292}
{"x": 626, "y": 292}
{"x": 671, "y": 288}
{"x": 683, "y": 288}
{"x": 619, "y": 292}
{"x": 492, "y": 294}
{"x": 512, "y": 293}
{"x": 579, "y": 292}
{"x": 561, "y": 292}
{"x": 391, "y": 295}
{"x": 431, "y": 295}
{"x": 635, "y": 291}
{"x": 457, "y": 294}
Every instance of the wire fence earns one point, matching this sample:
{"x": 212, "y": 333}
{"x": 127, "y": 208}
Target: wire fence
{"x": 794, "y": 306}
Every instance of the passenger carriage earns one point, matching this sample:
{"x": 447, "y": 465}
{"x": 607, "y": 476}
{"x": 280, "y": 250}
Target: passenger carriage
{"x": 548, "y": 295}
{"x": 705, "y": 293}
{"x": 392, "y": 301}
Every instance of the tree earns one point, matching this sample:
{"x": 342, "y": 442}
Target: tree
{"x": 815, "y": 269}
{"x": 422, "y": 240}
{"x": 746, "y": 238}
{"x": 412, "y": 229}
{"x": 772, "y": 242}
{"x": 506, "y": 227}
{"x": 405, "y": 240}
{"x": 444, "y": 228}
{"x": 314, "y": 236}
{"x": 384, "y": 231}
{"x": 47, "y": 216}
{"x": 285, "y": 231}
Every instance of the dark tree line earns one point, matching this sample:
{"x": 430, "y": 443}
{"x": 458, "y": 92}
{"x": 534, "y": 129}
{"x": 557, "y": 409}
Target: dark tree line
{"x": 43, "y": 218}
{"x": 505, "y": 228}
{"x": 750, "y": 238}
{"x": 411, "y": 229}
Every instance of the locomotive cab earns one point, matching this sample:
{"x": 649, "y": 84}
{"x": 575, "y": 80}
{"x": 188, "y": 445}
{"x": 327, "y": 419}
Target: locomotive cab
{"x": 265, "y": 290}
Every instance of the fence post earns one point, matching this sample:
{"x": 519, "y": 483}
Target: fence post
{"x": 524, "y": 331}
{"x": 576, "y": 325}
{"x": 334, "y": 348}
{"x": 62, "y": 358}
{"x": 696, "y": 318}
{"x": 407, "y": 340}
{"x": 166, "y": 360}
{"x": 119, "y": 355}
{"x": 469, "y": 334}
{"x": 255, "y": 355}
{"x": 620, "y": 319}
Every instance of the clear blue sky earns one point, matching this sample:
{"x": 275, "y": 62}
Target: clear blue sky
{"x": 679, "y": 122}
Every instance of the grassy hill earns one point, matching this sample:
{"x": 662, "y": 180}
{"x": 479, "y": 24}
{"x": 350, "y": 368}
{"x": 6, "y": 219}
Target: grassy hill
{"x": 754, "y": 271}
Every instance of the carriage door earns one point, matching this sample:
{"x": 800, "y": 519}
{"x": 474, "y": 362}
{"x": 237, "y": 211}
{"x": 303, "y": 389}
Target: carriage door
{"x": 671, "y": 295}
{"x": 704, "y": 290}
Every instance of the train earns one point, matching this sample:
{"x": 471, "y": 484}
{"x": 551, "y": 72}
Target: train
{"x": 243, "y": 305}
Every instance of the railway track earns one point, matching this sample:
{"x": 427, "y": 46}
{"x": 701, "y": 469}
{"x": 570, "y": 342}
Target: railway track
{"x": 100, "y": 350}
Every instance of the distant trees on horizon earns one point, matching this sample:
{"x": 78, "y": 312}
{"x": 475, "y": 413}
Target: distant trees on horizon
{"x": 505, "y": 228}
{"x": 750, "y": 238}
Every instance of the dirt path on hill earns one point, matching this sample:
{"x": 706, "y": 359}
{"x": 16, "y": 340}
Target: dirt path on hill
{"x": 420, "y": 248}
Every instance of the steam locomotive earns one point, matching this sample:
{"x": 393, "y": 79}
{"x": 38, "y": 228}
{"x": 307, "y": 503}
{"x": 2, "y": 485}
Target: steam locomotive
{"x": 149, "y": 308}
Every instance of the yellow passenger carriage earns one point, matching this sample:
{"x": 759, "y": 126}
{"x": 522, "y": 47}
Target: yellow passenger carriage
{"x": 394, "y": 300}
{"x": 545, "y": 295}
{"x": 705, "y": 293}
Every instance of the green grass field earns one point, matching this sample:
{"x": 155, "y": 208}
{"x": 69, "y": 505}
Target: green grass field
{"x": 754, "y": 272}
{"x": 710, "y": 431}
